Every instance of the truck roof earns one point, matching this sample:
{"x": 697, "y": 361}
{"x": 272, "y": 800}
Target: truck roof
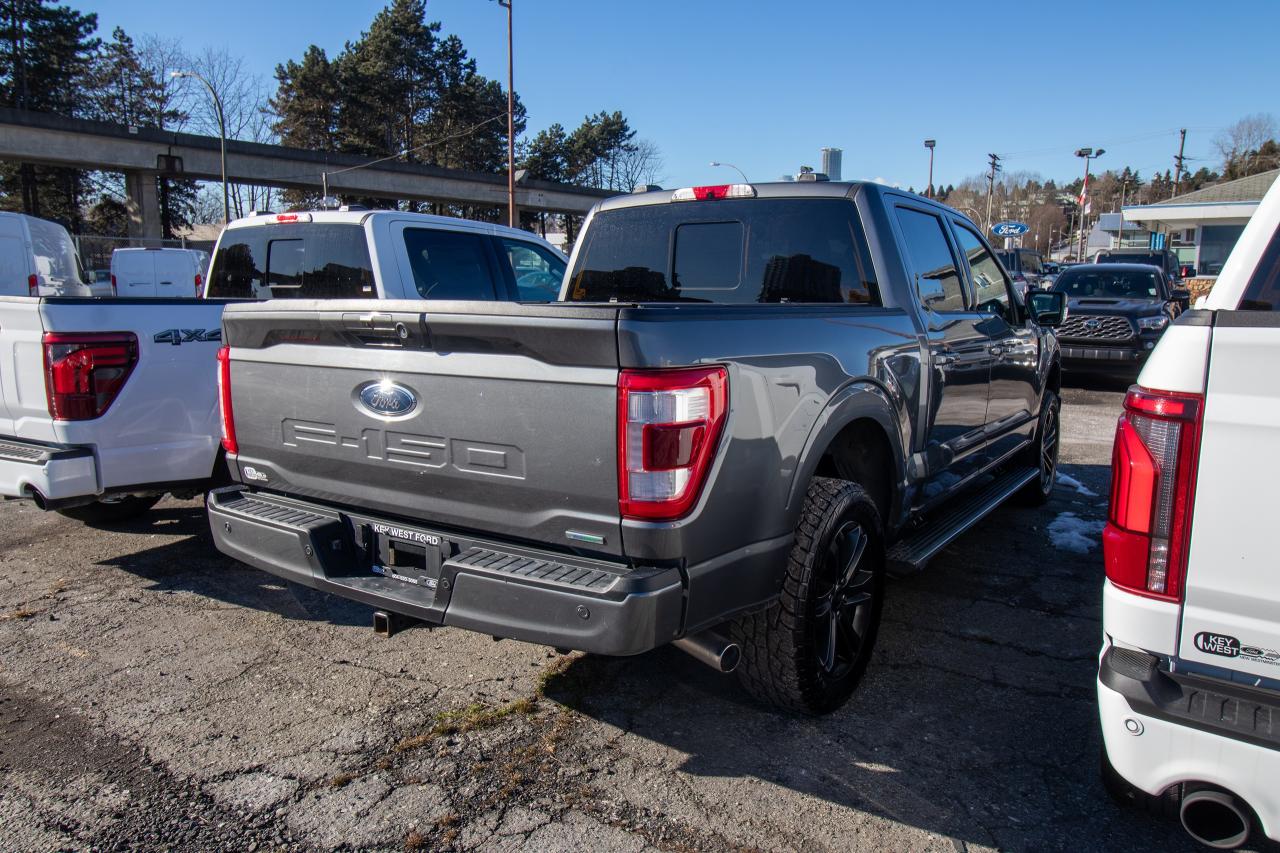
{"x": 360, "y": 217}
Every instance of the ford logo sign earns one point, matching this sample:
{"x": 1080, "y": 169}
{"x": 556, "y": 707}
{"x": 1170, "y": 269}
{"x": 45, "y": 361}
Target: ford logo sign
{"x": 1010, "y": 229}
{"x": 385, "y": 399}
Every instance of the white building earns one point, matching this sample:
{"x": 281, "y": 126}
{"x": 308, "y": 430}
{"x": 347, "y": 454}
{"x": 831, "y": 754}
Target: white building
{"x": 1203, "y": 225}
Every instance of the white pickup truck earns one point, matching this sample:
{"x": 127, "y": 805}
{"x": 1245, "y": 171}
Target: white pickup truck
{"x": 107, "y": 404}
{"x": 1189, "y": 675}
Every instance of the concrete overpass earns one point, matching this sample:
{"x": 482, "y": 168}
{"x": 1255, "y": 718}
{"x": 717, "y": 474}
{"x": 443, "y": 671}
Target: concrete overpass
{"x": 143, "y": 154}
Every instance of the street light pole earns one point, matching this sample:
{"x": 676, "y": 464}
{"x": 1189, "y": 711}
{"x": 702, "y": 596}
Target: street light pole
{"x": 511, "y": 120}
{"x": 930, "y": 143}
{"x": 731, "y": 166}
{"x": 222, "y": 137}
{"x": 1088, "y": 154}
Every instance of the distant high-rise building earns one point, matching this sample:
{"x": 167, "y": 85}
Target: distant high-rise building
{"x": 831, "y": 162}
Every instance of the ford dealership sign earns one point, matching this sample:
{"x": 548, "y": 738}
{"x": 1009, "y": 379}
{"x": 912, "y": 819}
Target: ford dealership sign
{"x": 1010, "y": 229}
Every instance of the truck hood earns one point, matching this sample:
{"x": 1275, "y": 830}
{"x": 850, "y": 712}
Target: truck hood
{"x": 1104, "y": 306}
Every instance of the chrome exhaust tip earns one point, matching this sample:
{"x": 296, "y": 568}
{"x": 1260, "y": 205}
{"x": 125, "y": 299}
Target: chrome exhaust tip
{"x": 1216, "y": 818}
{"x": 711, "y": 649}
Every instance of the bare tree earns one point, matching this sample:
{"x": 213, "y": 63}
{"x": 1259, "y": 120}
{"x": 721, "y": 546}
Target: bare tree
{"x": 638, "y": 163}
{"x": 1240, "y": 142}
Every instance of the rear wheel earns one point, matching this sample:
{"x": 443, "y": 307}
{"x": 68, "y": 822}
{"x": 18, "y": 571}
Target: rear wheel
{"x": 111, "y": 510}
{"x": 808, "y": 651}
{"x": 1043, "y": 452}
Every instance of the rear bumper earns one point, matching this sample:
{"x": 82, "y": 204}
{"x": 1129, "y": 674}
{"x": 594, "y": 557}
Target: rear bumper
{"x": 56, "y": 473}
{"x": 499, "y": 589}
{"x": 1163, "y": 728}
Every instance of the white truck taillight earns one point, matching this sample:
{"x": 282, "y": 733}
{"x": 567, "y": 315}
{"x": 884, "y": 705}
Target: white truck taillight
{"x": 1153, "y": 482}
{"x": 114, "y": 292}
{"x": 33, "y": 285}
{"x": 669, "y": 424}
{"x": 224, "y": 401}
{"x": 712, "y": 193}
{"x": 85, "y": 372}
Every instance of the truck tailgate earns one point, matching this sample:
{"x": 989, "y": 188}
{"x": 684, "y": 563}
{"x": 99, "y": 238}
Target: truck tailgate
{"x": 485, "y": 416}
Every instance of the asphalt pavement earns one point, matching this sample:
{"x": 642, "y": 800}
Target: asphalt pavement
{"x": 155, "y": 694}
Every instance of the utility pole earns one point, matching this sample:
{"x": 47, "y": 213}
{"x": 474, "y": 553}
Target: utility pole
{"x": 1086, "y": 154}
{"x": 1177, "y": 161}
{"x": 930, "y": 143}
{"x": 991, "y": 184}
{"x": 1124, "y": 186}
{"x": 511, "y": 130}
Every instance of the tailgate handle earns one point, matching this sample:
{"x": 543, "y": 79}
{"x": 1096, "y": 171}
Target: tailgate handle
{"x": 371, "y": 322}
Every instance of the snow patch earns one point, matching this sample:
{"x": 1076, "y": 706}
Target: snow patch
{"x": 1068, "y": 532}
{"x": 1072, "y": 482}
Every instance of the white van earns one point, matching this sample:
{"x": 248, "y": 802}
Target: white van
{"x": 37, "y": 258}
{"x": 157, "y": 272}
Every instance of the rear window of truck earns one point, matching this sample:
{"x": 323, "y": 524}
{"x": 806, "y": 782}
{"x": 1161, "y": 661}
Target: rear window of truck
{"x": 1263, "y": 291}
{"x": 741, "y": 251}
{"x": 293, "y": 261}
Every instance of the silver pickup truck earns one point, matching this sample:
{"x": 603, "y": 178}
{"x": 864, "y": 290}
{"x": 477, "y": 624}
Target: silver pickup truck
{"x": 749, "y": 404}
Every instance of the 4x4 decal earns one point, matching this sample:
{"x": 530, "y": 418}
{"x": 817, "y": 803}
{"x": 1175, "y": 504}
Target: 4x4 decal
{"x": 186, "y": 336}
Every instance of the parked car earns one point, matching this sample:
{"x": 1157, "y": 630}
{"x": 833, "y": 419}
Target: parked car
{"x": 109, "y": 404}
{"x": 164, "y": 273}
{"x": 99, "y": 282}
{"x": 1189, "y": 681}
{"x": 630, "y": 466}
{"x": 1115, "y": 315}
{"x": 383, "y": 254}
{"x": 38, "y": 258}
{"x": 1165, "y": 259}
{"x": 1025, "y": 267}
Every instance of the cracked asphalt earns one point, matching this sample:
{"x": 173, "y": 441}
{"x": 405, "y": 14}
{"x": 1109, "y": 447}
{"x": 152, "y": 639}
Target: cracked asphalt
{"x": 157, "y": 695}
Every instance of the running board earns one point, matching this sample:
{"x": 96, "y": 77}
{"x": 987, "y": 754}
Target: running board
{"x": 942, "y": 527}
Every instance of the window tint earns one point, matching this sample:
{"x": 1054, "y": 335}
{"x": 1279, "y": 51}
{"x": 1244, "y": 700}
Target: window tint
{"x": 990, "y": 288}
{"x": 727, "y": 251}
{"x": 1007, "y": 258}
{"x": 54, "y": 252}
{"x": 293, "y": 260}
{"x": 1109, "y": 284}
{"x": 1030, "y": 262}
{"x": 538, "y": 272}
{"x": 930, "y": 256}
{"x": 1263, "y": 291}
{"x": 449, "y": 264}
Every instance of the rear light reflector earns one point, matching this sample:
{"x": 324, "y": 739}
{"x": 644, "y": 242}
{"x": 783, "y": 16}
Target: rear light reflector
{"x": 1153, "y": 480}
{"x": 711, "y": 193}
{"x": 199, "y": 282}
{"x": 33, "y": 285}
{"x": 669, "y": 425}
{"x": 224, "y": 401}
{"x": 85, "y": 372}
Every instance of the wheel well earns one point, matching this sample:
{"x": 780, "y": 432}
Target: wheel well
{"x": 862, "y": 453}
{"x": 1054, "y": 382}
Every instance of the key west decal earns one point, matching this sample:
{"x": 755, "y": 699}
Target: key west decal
{"x": 1224, "y": 645}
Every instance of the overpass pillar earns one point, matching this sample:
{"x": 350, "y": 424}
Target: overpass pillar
{"x": 142, "y": 198}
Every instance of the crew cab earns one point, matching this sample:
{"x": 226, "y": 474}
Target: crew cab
{"x": 110, "y": 403}
{"x": 749, "y": 403}
{"x": 1189, "y": 676}
{"x": 1115, "y": 315}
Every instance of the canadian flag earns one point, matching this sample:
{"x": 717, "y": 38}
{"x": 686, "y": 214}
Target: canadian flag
{"x": 1085, "y": 203}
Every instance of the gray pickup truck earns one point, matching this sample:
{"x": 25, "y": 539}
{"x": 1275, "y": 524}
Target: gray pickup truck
{"x": 748, "y": 406}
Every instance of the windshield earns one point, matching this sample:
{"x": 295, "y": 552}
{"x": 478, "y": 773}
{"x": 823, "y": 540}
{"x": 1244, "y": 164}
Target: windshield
{"x": 1109, "y": 284}
{"x": 54, "y": 252}
{"x": 727, "y": 251}
{"x": 1153, "y": 258}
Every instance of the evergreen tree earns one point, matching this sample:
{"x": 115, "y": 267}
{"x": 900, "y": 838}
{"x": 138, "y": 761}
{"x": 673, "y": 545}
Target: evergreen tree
{"x": 306, "y": 102}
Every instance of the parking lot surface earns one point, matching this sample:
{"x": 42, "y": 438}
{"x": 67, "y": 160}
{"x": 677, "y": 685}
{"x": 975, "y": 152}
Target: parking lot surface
{"x": 155, "y": 693}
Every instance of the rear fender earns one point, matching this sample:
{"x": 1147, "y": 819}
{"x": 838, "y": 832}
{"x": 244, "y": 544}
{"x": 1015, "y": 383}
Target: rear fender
{"x": 858, "y": 401}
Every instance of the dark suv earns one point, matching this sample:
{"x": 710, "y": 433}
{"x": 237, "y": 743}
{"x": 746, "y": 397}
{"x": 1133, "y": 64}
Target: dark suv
{"x": 1025, "y": 266}
{"x": 1116, "y": 313}
{"x": 1165, "y": 259}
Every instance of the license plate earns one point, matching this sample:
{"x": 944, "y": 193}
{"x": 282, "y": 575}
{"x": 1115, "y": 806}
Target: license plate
{"x": 408, "y": 556}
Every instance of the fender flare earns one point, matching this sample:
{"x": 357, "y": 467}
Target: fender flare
{"x": 856, "y": 401}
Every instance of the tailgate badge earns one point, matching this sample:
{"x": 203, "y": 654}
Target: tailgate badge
{"x": 385, "y": 399}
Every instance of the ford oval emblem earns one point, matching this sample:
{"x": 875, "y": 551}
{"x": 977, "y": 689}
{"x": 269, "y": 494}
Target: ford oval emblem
{"x": 385, "y": 399}
{"x": 1009, "y": 229}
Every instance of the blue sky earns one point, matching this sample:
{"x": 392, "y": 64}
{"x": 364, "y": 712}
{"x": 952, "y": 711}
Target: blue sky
{"x": 765, "y": 85}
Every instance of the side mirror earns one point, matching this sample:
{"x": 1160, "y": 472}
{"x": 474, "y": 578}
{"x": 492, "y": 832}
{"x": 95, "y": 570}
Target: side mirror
{"x": 930, "y": 290}
{"x": 1047, "y": 308}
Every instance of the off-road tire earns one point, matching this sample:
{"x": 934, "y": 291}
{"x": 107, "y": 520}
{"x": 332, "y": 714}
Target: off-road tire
{"x": 1039, "y": 490}
{"x": 780, "y": 645}
{"x": 111, "y": 512}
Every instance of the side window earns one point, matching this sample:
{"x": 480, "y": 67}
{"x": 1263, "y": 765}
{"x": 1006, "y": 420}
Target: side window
{"x": 538, "y": 272}
{"x": 990, "y": 287}
{"x": 1263, "y": 291}
{"x": 930, "y": 257}
{"x": 1031, "y": 262}
{"x": 449, "y": 264}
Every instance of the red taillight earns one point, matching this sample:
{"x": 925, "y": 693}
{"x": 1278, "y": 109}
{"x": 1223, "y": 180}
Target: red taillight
{"x": 85, "y": 372}
{"x": 199, "y": 281}
{"x": 669, "y": 423}
{"x": 1153, "y": 484}
{"x": 113, "y": 285}
{"x": 33, "y": 285}
{"x": 224, "y": 401}
{"x": 713, "y": 193}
